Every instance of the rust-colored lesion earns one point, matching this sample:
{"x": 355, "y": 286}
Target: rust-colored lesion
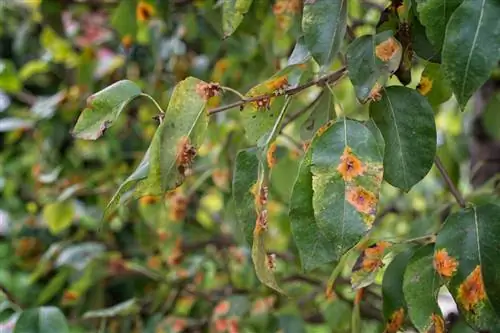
{"x": 271, "y": 155}
{"x": 386, "y": 50}
{"x": 350, "y": 166}
{"x": 437, "y": 324}
{"x": 323, "y": 128}
{"x": 208, "y": 90}
{"x": 186, "y": 153}
{"x": 444, "y": 264}
{"x": 144, "y": 11}
{"x": 471, "y": 292}
{"x": 425, "y": 85}
{"x": 363, "y": 200}
{"x": 396, "y": 321}
{"x": 371, "y": 258}
{"x": 375, "y": 93}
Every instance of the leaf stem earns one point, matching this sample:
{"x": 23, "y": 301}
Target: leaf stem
{"x": 234, "y": 91}
{"x": 327, "y": 78}
{"x": 456, "y": 193}
{"x": 154, "y": 102}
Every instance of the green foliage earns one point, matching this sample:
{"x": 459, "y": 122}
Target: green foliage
{"x": 277, "y": 176}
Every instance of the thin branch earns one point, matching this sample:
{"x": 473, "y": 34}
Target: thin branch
{"x": 328, "y": 78}
{"x": 458, "y": 196}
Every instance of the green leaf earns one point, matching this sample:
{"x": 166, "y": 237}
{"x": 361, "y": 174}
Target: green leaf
{"x": 52, "y": 14}
{"x": 461, "y": 327}
{"x": 365, "y": 69}
{"x": 9, "y": 79}
{"x": 470, "y": 239}
{"x": 59, "y": 216}
{"x": 55, "y": 285}
{"x": 322, "y": 112}
{"x": 324, "y": 27}
{"x": 434, "y": 15}
{"x": 406, "y": 121}
{"x": 244, "y": 182}
{"x": 260, "y": 260}
{"x": 346, "y": 171}
{"x": 45, "y": 107}
{"x": 420, "y": 43}
{"x": 300, "y": 53}
{"x": 32, "y": 68}
{"x": 60, "y": 49}
{"x": 123, "y": 309}
{"x": 184, "y": 125}
{"x": 42, "y": 320}
{"x": 315, "y": 247}
{"x": 233, "y": 12}
{"x": 394, "y": 305}
{"x": 103, "y": 108}
{"x": 491, "y": 117}
{"x": 433, "y": 85}
{"x": 124, "y": 18}
{"x": 259, "y": 121}
{"x": 421, "y": 286}
{"x": 470, "y": 50}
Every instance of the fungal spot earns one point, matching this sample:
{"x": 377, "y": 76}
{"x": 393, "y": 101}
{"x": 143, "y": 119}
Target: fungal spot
{"x": 371, "y": 258}
{"x": 148, "y": 200}
{"x": 323, "y": 128}
{"x": 395, "y": 322}
{"x": 261, "y": 223}
{"x": 363, "y": 200}
{"x": 471, "y": 291}
{"x": 444, "y": 264}
{"x": 271, "y": 261}
{"x": 424, "y": 86}
{"x": 144, "y": 11}
{"x": 437, "y": 324}
{"x": 222, "y": 308}
{"x": 375, "y": 94}
{"x": 185, "y": 156}
{"x": 350, "y": 166}
{"x": 208, "y": 90}
{"x": 271, "y": 158}
{"x": 386, "y": 50}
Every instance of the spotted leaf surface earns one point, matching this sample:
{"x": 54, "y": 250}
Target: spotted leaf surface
{"x": 421, "y": 286}
{"x": 368, "y": 264}
{"x": 466, "y": 257}
{"x": 406, "y": 121}
{"x": 433, "y": 85}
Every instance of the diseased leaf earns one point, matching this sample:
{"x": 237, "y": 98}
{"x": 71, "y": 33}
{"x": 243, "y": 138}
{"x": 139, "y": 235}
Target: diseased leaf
{"x": 315, "y": 247}
{"x": 466, "y": 257}
{"x": 368, "y": 264}
{"x": 264, "y": 262}
{"x": 103, "y": 108}
{"x": 406, "y": 121}
{"x": 322, "y": 112}
{"x": 347, "y": 171}
{"x": 394, "y": 305}
{"x": 434, "y": 15}
{"x": 258, "y": 119}
{"x": 433, "y": 85}
{"x": 421, "y": 286}
{"x": 42, "y": 320}
{"x": 324, "y": 27}
{"x": 79, "y": 255}
{"x": 370, "y": 62}
{"x": 59, "y": 216}
{"x": 233, "y": 12}
{"x": 470, "y": 50}
{"x": 244, "y": 182}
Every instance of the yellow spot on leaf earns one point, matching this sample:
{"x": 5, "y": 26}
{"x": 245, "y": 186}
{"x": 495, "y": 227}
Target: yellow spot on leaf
{"x": 350, "y": 166}
{"x": 373, "y": 255}
{"x": 396, "y": 321}
{"x": 149, "y": 200}
{"x": 425, "y": 85}
{"x": 363, "y": 200}
{"x": 271, "y": 158}
{"x": 471, "y": 291}
{"x": 386, "y": 50}
{"x": 444, "y": 264}
{"x": 277, "y": 83}
{"x": 437, "y": 324}
{"x": 144, "y": 11}
{"x": 323, "y": 128}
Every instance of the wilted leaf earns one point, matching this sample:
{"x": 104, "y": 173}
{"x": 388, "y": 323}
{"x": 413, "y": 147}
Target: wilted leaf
{"x": 368, "y": 71}
{"x": 421, "y": 286}
{"x": 469, "y": 239}
{"x": 124, "y": 309}
{"x": 244, "y": 181}
{"x": 59, "y": 216}
{"x": 103, "y": 108}
{"x": 406, "y": 121}
{"x": 233, "y": 12}
{"x": 470, "y": 50}
{"x": 324, "y": 27}
{"x": 42, "y": 320}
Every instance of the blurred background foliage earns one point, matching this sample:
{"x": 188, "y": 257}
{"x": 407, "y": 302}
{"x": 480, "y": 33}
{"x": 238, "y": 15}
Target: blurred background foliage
{"x": 174, "y": 263}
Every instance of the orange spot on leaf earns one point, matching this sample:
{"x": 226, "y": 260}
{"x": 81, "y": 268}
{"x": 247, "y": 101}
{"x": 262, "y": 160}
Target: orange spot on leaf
{"x": 375, "y": 94}
{"x": 386, "y": 50}
{"x": 350, "y": 166}
{"x": 363, "y": 200}
{"x": 395, "y": 322}
{"x": 471, "y": 291}
{"x": 437, "y": 324}
{"x": 222, "y": 308}
{"x": 444, "y": 264}
{"x": 425, "y": 85}
{"x": 144, "y": 11}
{"x": 271, "y": 158}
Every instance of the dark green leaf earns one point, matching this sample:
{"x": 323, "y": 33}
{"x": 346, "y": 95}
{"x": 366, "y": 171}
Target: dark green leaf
{"x": 491, "y": 117}
{"x": 322, "y": 112}
{"x": 324, "y": 27}
{"x": 471, "y": 45}
{"x": 420, "y": 43}
{"x": 421, "y": 287}
{"x": 434, "y": 15}
{"x": 42, "y": 320}
{"x": 365, "y": 69}
{"x": 244, "y": 182}
{"x": 233, "y": 12}
{"x": 103, "y": 108}
{"x": 394, "y": 306}
{"x": 469, "y": 239}
{"x": 406, "y": 121}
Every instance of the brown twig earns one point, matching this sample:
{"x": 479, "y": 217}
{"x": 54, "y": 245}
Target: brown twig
{"x": 456, "y": 193}
{"x": 328, "y": 78}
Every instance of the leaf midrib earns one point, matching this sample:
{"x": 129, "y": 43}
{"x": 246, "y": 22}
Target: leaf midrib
{"x": 330, "y": 50}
